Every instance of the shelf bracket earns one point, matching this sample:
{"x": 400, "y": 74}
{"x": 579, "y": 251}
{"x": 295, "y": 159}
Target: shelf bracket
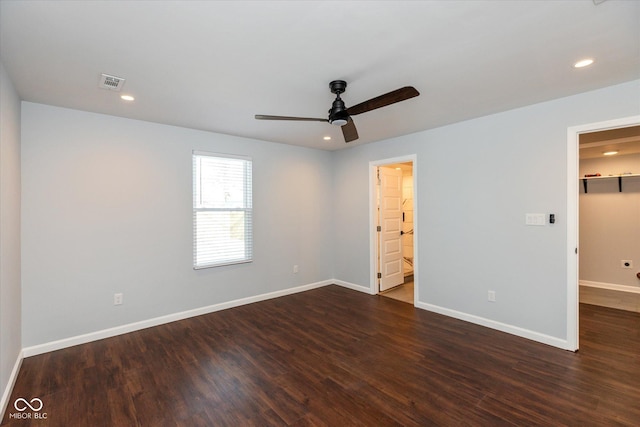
{"x": 584, "y": 184}
{"x": 620, "y": 184}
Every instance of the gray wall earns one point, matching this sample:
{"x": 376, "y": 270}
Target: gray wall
{"x": 476, "y": 180}
{"x": 610, "y": 222}
{"x": 10, "y": 316}
{"x": 107, "y": 208}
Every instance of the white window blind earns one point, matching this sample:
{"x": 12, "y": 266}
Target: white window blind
{"x": 222, "y": 210}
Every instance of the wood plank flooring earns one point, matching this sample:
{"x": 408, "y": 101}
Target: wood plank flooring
{"x": 336, "y": 357}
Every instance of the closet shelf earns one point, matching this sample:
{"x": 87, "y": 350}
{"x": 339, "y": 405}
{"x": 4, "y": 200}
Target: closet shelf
{"x": 618, "y": 177}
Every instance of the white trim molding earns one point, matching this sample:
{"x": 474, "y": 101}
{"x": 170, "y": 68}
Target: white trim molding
{"x": 612, "y": 295}
{"x": 354, "y": 287}
{"x": 144, "y": 324}
{"x": 6, "y": 394}
{"x": 510, "y": 329}
{"x": 611, "y": 286}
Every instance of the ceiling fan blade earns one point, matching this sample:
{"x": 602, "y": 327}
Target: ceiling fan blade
{"x": 299, "y": 119}
{"x": 392, "y": 97}
{"x": 349, "y": 131}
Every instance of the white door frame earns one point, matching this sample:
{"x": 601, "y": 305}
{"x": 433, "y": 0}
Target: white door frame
{"x": 373, "y": 206}
{"x": 573, "y": 134}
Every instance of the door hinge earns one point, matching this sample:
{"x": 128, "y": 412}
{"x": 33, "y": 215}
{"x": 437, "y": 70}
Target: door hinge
{"x": 379, "y": 228}
{"x": 379, "y": 275}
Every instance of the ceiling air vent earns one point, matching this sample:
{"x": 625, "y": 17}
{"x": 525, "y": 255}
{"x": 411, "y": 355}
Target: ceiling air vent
{"x": 111, "y": 82}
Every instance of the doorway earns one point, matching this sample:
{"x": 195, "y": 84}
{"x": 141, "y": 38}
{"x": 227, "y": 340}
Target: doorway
{"x": 393, "y": 217}
{"x": 609, "y": 220}
{"x": 573, "y": 173}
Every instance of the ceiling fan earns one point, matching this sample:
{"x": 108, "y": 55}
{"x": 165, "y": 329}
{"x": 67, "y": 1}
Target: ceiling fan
{"x": 339, "y": 115}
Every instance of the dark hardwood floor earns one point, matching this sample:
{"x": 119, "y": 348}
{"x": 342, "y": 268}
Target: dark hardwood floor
{"x": 336, "y": 357}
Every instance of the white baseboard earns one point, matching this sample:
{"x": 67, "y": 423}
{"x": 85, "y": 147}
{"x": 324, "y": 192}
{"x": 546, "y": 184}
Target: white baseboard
{"x": 131, "y": 327}
{"x": 612, "y": 295}
{"x": 9, "y": 388}
{"x": 510, "y": 329}
{"x": 354, "y": 287}
{"x": 610, "y": 286}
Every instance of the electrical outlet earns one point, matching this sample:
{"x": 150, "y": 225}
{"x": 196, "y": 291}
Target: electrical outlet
{"x": 492, "y": 296}
{"x": 295, "y": 269}
{"x": 118, "y": 299}
{"x": 626, "y": 263}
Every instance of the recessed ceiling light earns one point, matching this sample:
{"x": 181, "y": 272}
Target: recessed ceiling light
{"x": 127, "y": 97}
{"x": 610, "y": 153}
{"x": 583, "y": 63}
{"x": 327, "y": 138}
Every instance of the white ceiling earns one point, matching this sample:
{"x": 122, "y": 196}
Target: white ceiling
{"x": 213, "y": 65}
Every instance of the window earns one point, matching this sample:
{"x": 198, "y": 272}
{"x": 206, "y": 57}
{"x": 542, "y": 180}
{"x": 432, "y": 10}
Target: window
{"x": 222, "y": 210}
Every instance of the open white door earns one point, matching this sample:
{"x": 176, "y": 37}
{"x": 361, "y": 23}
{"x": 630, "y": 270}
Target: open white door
{"x": 391, "y": 262}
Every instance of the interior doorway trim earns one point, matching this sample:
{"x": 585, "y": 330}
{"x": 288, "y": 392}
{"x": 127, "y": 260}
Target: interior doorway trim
{"x": 573, "y": 301}
{"x": 373, "y": 260}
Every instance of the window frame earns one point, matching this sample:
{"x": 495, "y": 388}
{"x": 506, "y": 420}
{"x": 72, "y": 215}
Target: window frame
{"x": 247, "y": 208}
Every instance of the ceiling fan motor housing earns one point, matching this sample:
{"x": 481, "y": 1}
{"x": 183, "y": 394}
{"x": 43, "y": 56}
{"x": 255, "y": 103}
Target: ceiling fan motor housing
{"x": 338, "y": 113}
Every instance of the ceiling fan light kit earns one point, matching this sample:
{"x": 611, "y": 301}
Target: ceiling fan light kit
{"x": 339, "y": 115}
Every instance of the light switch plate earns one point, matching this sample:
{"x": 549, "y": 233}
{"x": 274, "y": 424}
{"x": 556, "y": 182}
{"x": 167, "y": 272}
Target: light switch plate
{"x": 535, "y": 219}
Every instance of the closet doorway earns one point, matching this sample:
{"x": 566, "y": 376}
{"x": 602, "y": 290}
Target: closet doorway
{"x": 575, "y": 187}
{"x": 609, "y": 222}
